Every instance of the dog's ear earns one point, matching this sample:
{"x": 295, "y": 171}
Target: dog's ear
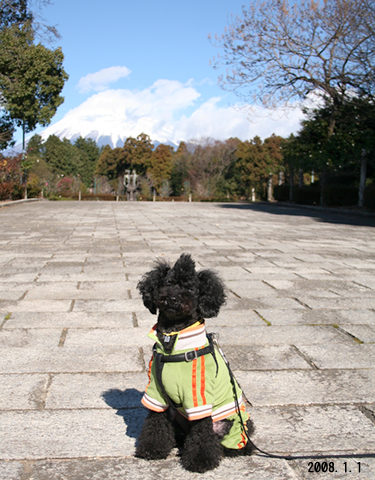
{"x": 211, "y": 293}
{"x": 150, "y": 284}
{"x": 184, "y": 268}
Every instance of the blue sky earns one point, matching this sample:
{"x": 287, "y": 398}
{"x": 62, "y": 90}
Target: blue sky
{"x": 164, "y": 39}
{"x": 150, "y": 61}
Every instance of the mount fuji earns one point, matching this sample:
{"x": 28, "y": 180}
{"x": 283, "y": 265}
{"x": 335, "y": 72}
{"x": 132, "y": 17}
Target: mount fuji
{"x": 111, "y": 116}
{"x": 109, "y": 119}
{"x": 102, "y": 139}
{"x": 168, "y": 112}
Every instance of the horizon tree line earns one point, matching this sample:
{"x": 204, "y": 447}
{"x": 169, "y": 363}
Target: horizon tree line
{"x": 222, "y": 170}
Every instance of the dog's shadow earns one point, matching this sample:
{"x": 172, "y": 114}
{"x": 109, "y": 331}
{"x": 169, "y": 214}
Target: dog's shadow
{"x": 128, "y": 405}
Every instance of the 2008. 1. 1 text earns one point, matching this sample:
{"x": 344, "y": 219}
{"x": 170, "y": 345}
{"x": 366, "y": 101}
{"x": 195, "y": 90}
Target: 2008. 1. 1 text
{"x": 332, "y": 467}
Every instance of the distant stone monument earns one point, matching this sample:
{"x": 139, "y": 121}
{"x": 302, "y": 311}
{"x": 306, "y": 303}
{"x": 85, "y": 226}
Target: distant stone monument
{"x": 130, "y": 184}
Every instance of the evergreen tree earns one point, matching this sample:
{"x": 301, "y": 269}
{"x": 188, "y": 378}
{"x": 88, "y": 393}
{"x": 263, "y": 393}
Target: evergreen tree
{"x": 179, "y": 173}
{"x": 88, "y": 156}
{"x": 137, "y": 153}
{"x": 161, "y": 164}
{"x": 60, "y": 156}
{"x": 107, "y": 163}
{"x": 31, "y": 75}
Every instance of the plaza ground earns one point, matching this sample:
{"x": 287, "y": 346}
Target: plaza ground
{"x": 298, "y": 328}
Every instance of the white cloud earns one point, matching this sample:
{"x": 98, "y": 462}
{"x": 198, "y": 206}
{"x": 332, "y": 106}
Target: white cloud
{"x": 100, "y": 80}
{"x": 165, "y": 111}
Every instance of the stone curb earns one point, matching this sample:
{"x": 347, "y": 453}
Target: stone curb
{"x": 9, "y": 203}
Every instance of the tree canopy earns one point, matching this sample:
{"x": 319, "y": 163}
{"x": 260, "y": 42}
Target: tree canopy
{"x": 280, "y": 50}
{"x": 31, "y": 75}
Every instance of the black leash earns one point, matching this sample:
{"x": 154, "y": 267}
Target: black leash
{"x": 273, "y": 455}
{"x": 160, "y": 359}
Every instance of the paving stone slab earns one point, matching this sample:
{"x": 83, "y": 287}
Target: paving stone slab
{"x": 280, "y": 284}
{"x": 335, "y": 355}
{"x": 97, "y": 276}
{"x": 269, "y": 357}
{"x": 117, "y": 269}
{"x": 341, "y": 303}
{"x": 100, "y": 336}
{"x": 68, "y": 434}
{"x": 308, "y": 387}
{"x": 270, "y": 273}
{"x": 355, "y": 293}
{"x": 272, "y": 301}
{"x": 54, "y": 292}
{"x": 11, "y": 293}
{"x": 69, "y": 256}
{"x": 252, "y": 468}
{"x": 11, "y": 470}
{"x": 309, "y": 430}
{"x": 231, "y": 273}
{"x": 322, "y": 287}
{"x": 317, "y": 316}
{"x": 364, "y": 333}
{"x": 11, "y": 271}
{"x": 230, "y": 318}
{"x": 42, "y": 306}
{"x": 309, "y": 274}
{"x": 83, "y": 358}
{"x": 365, "y": 264}
{"x": 105, "y": 286}
{"x": 35, "y": 258}
{"x": 22, "y": 391}
{"x": 59, "y": 320}
{"x": 367, "y": 280}
{"x": 108, "y": 305}
{"x": 25, "y": 337}
{"x": 370, "y": 409}
{"x": 250, "y": 288}
{"x": 17, "y": 277}
{"x": 96, "y": 390}
{"x": 281, "y": 335}
{"x": 68, "y": 265}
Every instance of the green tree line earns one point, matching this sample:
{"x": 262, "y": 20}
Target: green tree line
{"x": 281, "y": 168}
{"x": 31, "y": 75}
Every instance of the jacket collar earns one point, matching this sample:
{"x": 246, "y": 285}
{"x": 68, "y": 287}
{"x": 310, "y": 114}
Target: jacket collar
{"x": 189, "y": 338}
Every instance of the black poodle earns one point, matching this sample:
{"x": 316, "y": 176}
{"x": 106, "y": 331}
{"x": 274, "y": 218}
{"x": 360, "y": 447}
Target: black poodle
{"x": 194, "y": 401}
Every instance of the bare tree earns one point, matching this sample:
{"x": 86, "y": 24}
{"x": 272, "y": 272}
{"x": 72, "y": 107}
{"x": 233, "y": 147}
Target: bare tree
{"x": 280, "y": 51}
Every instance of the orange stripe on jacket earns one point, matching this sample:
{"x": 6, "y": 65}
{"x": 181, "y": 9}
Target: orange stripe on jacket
{"x": 203, "y": 380}
{"x": 243, "y": 441}
{"x": 149, "y": 372}
{"x": 194, "y": 382}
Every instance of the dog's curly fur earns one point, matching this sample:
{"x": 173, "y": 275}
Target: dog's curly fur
{"x": 181, "y": 296}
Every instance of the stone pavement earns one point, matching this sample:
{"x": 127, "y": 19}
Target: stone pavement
{"x": 298, "y": 328}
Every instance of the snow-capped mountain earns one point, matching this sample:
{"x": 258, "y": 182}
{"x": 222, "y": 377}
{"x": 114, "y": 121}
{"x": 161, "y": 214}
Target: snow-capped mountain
{"x": 111, "y": 116}
{"x": 101, "y": 139}
{"x": 168, "y": 112}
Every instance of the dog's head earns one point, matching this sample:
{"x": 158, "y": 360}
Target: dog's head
{"x": 180, "y": 292}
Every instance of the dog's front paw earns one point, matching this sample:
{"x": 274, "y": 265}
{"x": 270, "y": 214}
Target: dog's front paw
{"x": 202, "y": 450}
{"x": 151, "y": 451}
{"x": 202, "y": 460}
{"x": 156, "y": 439}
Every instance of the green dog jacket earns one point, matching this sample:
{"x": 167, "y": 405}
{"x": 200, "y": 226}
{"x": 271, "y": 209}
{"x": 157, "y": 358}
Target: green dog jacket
{"x": 201, "y": 387}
